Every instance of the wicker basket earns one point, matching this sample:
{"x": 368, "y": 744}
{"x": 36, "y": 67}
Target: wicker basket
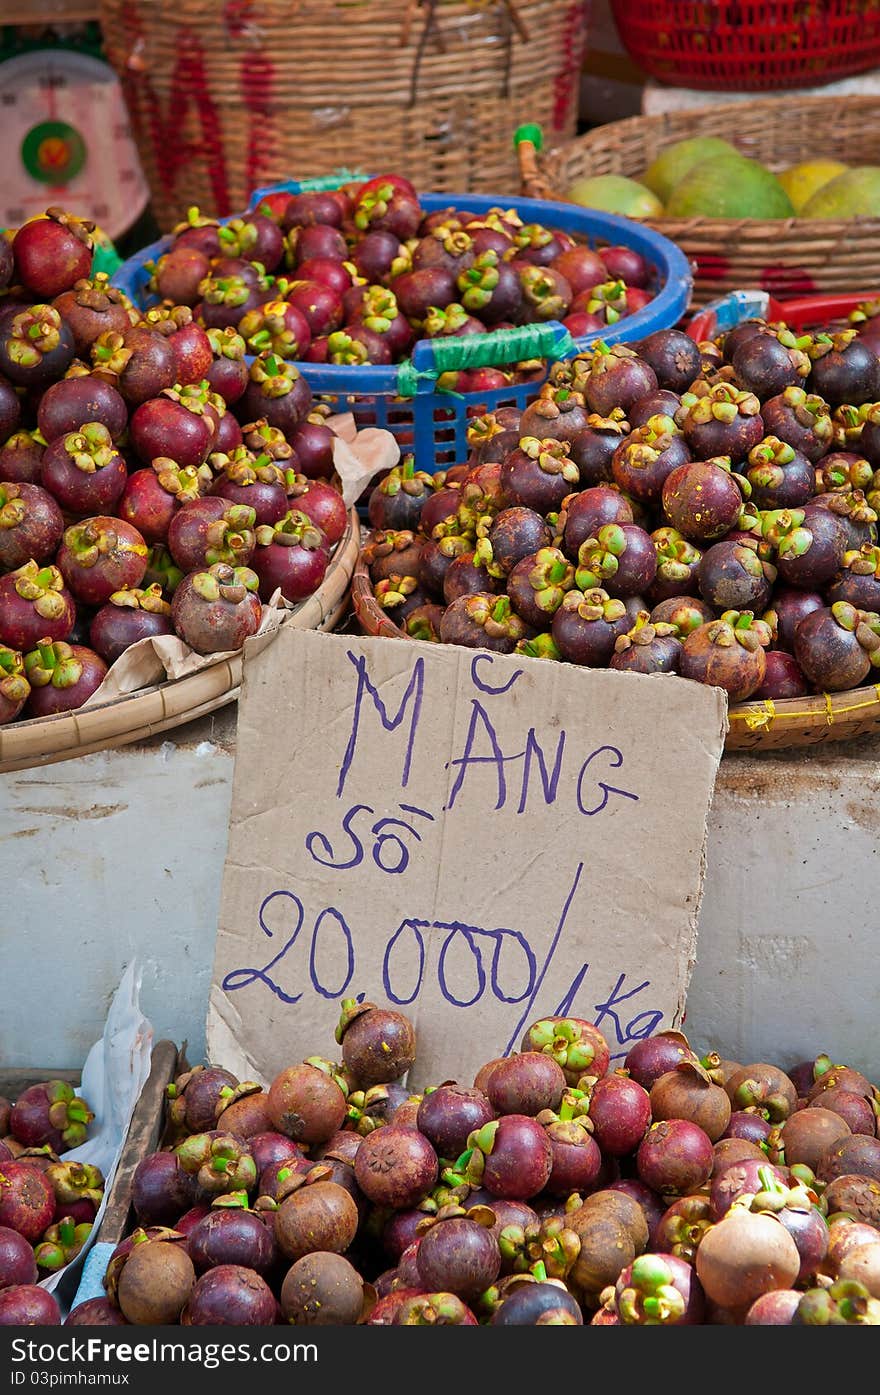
{"x": 146, "y": 713}
{"x": 793, "y": 256}
{"x": 224, "y": 98}
{"x": 754, "y": 726}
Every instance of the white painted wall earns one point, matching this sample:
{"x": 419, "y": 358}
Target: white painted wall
{"x": 121, "y": 853}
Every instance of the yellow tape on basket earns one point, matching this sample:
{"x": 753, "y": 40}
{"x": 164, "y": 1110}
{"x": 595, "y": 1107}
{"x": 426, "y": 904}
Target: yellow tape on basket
{"x": 757, "y": 721}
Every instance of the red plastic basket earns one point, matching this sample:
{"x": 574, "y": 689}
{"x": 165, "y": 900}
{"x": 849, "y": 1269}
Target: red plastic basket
{"x": 750, "y": 45}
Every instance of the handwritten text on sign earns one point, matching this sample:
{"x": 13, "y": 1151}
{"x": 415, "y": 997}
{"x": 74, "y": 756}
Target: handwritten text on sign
{"x": 476, "y": 839}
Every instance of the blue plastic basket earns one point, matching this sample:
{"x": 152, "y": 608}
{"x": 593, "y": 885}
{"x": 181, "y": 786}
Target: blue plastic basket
{"x": 404, "y": 398}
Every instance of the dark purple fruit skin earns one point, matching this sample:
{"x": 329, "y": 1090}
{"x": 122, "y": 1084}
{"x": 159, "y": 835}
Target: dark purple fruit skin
{"x": 653, "y": 1056}
{"x": 160, "y": 1189}
{"x": 466, "y": 577}
{"x": 458, "y": 1256}
{"x": 822, "y": 560}
{"x": 591, "y": 450}
{"x": 789, "y": 607}
{"x": 448, "y": 1114}
{"x": 861, "y": 590}
{"x": 10, "y": 409}
{"x": 213, "y": 627}
{"x": 850, "y": 376}
{"x": 662, "y": 655}
{"x": 625, "y": 383}
{"x": 21, "y": 458}
{"x": 735, "y": 439}
{"x": 524, "y": 1306}
{"x": 830, "y": 656}
{"x": 674, "y": 358}
{"x": 68, "y": 405}
{"x": 783, "y": 678}
{"x": 577, "y": 1160}
{"x": 516, "y": 533}
{"x": 675, "y": 1157}
{"x": 763, "y": 366}
{"x": 637, "y": 564}
{"x": 39, "y": 533}
{"x": 621, "y": 1112}
{"x": 586, "y": 642}
{"x": 586, "y": 512}
{"x": 650, "y": 1201}
{"x": 730, "y": 577}
{"x": 114, "y": 628}
{"x": 852, "y": 1108}
{"x": 684, "y": 611}
{"x": 95, "y": 1312}
{"x": 752, "y": 1127}
{"x": 779, "y": 420}
{"x": 28, "y": 1305}
{"x": 525, "y": 483}
{"x": 232, "y": 1237}
{"x": 645, "y": 485}
{"x": 525, "y": 1084}
{"x": 795, "y": 490}
{"x": 17, "y": 1263}
{"x": 431, "y": 568}
{"x": 521, "y": 1159}
{"x": 230, "y": 1296}
{"x": 653, "y": 404}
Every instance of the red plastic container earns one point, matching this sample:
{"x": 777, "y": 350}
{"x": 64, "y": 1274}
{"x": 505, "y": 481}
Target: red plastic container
{"x": 806, "y": 312}
{"x": 750, "y": 45}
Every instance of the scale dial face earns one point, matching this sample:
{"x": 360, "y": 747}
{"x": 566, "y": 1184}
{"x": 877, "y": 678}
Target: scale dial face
{"x": 66, "y": 140}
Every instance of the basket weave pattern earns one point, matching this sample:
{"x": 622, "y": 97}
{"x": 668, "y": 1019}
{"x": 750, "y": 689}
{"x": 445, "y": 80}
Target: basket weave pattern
{"x": 226, "y": 97}
{"x": 794, "y": 256}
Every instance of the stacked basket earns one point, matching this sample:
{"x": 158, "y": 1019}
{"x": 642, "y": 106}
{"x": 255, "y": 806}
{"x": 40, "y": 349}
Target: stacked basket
{"x": 226, "y": 97}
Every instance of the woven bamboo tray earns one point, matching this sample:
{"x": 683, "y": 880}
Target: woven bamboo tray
{"x": 226, "y": 97}
{"x": 146, "y": 713}
{"x": 792, "y": 256}
{"x": 754, "y": 726}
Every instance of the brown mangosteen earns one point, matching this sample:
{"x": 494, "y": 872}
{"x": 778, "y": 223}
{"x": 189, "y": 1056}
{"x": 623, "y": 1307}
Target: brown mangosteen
{"x": 727, "y": 653}
{"x": 732, "y": 577}
{"x": 726, "y": 421}
{"x": 702, "y": 499}
{"x": 378, "y": 1045}
{"x": 836, "y": 646}
{"x": 686, "y": 613}
{"x": 515, "y": 533}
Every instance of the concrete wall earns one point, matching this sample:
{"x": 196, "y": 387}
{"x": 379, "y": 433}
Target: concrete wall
{"x": 122, "y": 852}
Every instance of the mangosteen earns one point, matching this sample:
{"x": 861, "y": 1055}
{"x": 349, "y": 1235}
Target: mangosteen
{"x": 62, "y": 676}
{"x": 36, "y": 346}
{"x": 789, "y": 606}
{"x": 727, "y": 653}
{"x": 702, "y": 499}
{"x": 395, "y": 552}
{"x": 140, "y": 362}
{"x": 809, "y": 544}
{"x": 673, "y": 356}
{"x": 396, "y": 501}
{"x": 67, "y": 406}
{"x": 842, "y": 471}
{"x": 724, "y": 421}
{"x": 306, "y": 1103}
{"x": 21, "y": 456}
{"x": 216, "y": 610}
{"x": 654, "y": 404}
{"x": 677, "y": 562}
{"x": 322, "y": 1289}
{"x": 686, "y": 613}
{"x": 378, "y": 1045}
{"x": 539, "y": 474}
{"x": 643, "y": 461}
{"x": 835, "y": 646}
{"x": 491, "y": 288}
{"x": 844, "y": 369}
{"x": 512, "y": 1157}
{"x": 276, "y": 392}
{"x": 780, "y": 476}
{"x": 731, "y": 576}
{"x": 586, "y": 626}
{"x": 538, "y": 1304}
{"x": 858, "y": 580}
{"x": 31, "y": 525}
{"x": 621, "y": 558}
{"x": 557, "y": 414}
{"x": 291, "y": 556}
{"x": 616, "y": 377}
{"x": 35, "y": 604}
{"x": 515, "y": 533}
{"x": 766, "y": 364}
{"x": 537, "y": 584}
{"x": 783, "y": 677}
{"x": 592, "y": 448}
{"x": 228, "y": 373}
{"x": 584, "y": 513}
{"x": 800, "y": 419}
{"x": 647, "y": 648}
{"x": 851, "y": 508}
{"x": 467, "y": 575}
{"x": 482, "y": 621}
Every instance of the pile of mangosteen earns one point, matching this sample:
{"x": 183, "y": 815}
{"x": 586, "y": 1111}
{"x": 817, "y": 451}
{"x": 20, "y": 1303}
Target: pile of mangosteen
{"x": 48, "y": 1201}
{"x": 555, "y": 1188}
{"x": 665, "y": 507}
{"x": 152, "y": 482}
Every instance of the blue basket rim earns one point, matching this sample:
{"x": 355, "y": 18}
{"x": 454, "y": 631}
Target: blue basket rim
{"x": 664, "y": 310}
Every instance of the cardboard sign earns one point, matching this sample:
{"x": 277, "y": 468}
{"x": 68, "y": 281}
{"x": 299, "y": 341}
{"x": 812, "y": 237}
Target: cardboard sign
{"x": 478, "y": 840}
